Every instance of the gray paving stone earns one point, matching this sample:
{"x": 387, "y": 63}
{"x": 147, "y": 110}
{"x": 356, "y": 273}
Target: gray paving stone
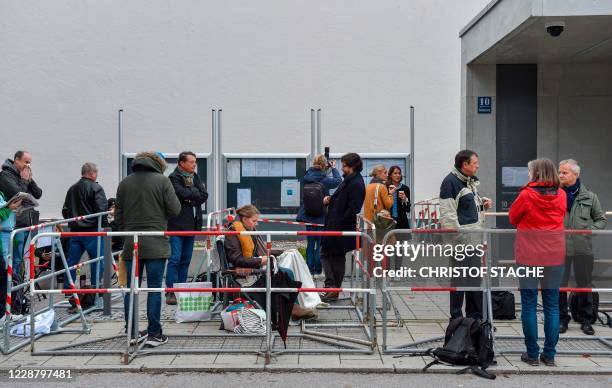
{"x": 68, "y": 361}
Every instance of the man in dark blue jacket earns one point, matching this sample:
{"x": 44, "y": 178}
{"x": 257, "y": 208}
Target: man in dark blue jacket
{"x": 317, "y": 182}
{"x": 192, "y": 194}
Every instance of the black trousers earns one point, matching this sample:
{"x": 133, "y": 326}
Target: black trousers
{"x": 473, "y": 299}
{"x": 583, "y": 272}
{"x": 334, "y": 266}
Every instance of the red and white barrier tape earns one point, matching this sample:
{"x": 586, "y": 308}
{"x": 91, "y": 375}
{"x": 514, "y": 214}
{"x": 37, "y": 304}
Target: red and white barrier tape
{"x": 272, "y": 221}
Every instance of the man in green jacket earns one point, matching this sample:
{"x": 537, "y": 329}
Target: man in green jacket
{"x": 145, "y": 202}
{"x": 583, "y": 212}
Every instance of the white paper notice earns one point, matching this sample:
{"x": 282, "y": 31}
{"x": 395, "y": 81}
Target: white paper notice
{"x": 276, "y": 167}
{"x": 514, "y": 176}
{"x": 290, "y": 193}
{"x": 233, "y": 171}
{"x": 261, "y": 168}
{"x": 248, "y": 167}
{"x": 244, "y": 197}
{"x": 44, "y": 241}
{"x": 289, "y": 168}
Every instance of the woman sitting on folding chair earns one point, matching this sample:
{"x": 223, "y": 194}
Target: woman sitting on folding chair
{"x": 250, "y": 252}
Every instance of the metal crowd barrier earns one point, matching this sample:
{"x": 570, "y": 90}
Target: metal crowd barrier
{"x": 503, "y": 344}
{"x": 267, "y": 349}
{"x": 214, "y": 221}
{"x": 427, "y": 214}
{"x": 9, "y": 344}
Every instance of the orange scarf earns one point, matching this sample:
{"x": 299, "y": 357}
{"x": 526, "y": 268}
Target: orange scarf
{"x": 246, "y": 242}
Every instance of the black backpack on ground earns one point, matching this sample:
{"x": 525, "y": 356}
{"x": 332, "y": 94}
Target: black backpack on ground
{"x": 503, "y": 305}
{"x": 468, "y": 342}
{"x": 312, "y": 197}
{"x": 573, "y": 302}
{"x": 20, "y": 302}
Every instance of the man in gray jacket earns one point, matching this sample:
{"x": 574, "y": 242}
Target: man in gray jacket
{"x": 583, "y": 212}
{"x": 145, "y": 202}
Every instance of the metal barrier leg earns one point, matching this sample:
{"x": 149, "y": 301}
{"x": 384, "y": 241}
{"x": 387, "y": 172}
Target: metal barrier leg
{"x": 77, "y": 300}
{"x": 268, "y": 301}
{"x": 384, "y": 316}
{"x": 9, "y": 292}
{"x": 487, "y": 293}
{"x": 132, "y": 315}
{"x": 54, "y": 278}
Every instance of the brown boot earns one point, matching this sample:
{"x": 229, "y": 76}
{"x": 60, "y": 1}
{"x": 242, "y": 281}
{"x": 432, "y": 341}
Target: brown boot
{"x": 170, "y": 299}
{"x": 299, "y": 313}
{"x": 329, "y": 296}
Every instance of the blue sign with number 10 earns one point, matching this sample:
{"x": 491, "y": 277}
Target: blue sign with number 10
{"x": 484, "y": 104}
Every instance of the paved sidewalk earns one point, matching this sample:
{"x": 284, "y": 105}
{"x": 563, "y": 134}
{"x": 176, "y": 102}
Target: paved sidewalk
{"x": 430, "y": 308}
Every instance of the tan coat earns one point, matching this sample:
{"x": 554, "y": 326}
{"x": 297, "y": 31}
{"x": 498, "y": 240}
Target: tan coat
{"x": 385, "y": 200}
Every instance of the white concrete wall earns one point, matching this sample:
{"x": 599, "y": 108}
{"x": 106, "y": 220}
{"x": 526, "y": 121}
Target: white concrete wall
{"x": 575, "y": 121}
{"x": 67, "y": 66}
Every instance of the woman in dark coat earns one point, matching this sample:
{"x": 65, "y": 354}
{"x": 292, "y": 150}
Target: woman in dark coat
{"x": 401, "y": 199}
{"x": 343, "y": 207}
{"x": 317, "y": 174}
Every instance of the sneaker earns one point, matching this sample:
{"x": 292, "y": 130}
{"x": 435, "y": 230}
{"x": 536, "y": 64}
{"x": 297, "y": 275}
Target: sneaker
{"x": 142, "y": 335}
{"x": 171, "y": 299}
{"x": 587, "y": 328}
{"x": 562, "y": 328}
{"x": 156, "y": 340}
{"x": 533, "y": 361}
{"x": 547, "y": 361}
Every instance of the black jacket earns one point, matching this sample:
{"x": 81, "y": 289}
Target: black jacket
{"x": 403, "y": 209}
{"x": 11, "y": 184}
{"x": 83, "y": 198}
{"x": 191, "y": 198}
{"x": 345, "y": 204}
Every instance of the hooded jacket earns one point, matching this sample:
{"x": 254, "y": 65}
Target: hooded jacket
{"x": 145, "y": 202}
{"x": 538, "y": 213}
{"x": 11, "y": 184}
{"x": 314, "y": 175}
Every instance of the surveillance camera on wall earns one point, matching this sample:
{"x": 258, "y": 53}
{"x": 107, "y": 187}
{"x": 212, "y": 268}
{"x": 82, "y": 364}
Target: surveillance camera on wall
{"x": 555, "y": 29}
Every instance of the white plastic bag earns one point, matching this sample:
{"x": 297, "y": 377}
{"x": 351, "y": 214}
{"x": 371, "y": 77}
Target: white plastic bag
{"x": 193, "y": 306}
{"x": 293, "y": 260}
{"x": 42, "y": 325}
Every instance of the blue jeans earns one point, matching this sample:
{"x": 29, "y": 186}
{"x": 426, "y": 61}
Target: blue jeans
{"x": 78, "y": 245}
{"x": 19, "y": 242}
{"x": 155, "y": 275}
{"x": 550, "y": 300}
{"x": 313, "y": 251}
{"x": 180, "y": 258}
{"x": 5, "y": 237}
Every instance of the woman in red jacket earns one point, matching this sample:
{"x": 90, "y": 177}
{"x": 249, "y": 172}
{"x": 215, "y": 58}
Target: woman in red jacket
{"x": 538, "y": 214}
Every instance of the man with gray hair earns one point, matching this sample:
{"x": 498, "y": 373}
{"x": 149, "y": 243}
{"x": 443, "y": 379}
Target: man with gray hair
{"x": 583, "y": 212}
{"x": 83, "y": 198}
